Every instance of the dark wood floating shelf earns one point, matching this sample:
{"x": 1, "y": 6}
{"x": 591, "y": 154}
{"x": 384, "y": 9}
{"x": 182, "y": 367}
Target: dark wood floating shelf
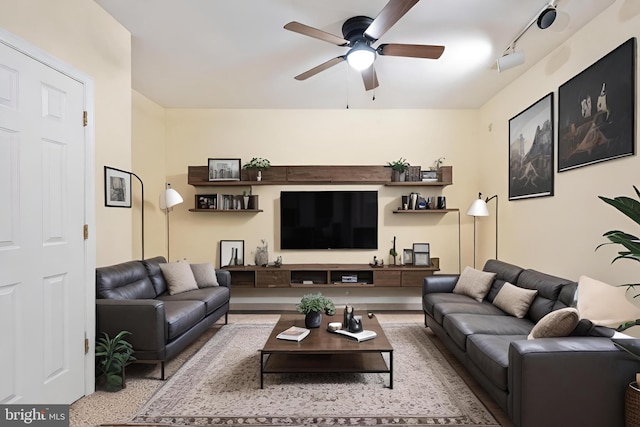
{"x": 309, "y": 175}
{"x": 425, "y": 211}
{"x": 226, "y": 210}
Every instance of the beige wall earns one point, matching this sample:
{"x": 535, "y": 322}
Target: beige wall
{"x": 559, "y": 234}
{"x": 84, "y": 36}
{"x": 320, "y": 137}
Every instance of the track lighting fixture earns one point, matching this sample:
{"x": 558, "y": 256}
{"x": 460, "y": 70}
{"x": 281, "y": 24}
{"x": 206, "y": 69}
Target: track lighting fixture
{"x": 547, "y": 17}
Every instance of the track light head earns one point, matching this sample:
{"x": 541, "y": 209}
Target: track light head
{"x": 547, "y": 17}
{"x": 510, "y": 60}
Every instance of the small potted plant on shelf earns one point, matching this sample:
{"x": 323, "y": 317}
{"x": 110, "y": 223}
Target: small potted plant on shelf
{"x": 398, "y": 169}
{"x": 312, "y": 306}
{"x": 257, "y": 164}
{"x": 112, "y": 356}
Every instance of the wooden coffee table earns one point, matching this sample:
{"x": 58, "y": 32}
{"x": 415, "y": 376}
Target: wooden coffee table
{"x": 325, "y": 352}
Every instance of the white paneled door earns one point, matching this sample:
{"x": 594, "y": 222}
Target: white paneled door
{"x": 42, "y": 251}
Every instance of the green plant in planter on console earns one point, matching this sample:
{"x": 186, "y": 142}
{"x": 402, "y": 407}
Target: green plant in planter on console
{"x": 316, "y": 302}
{"x": 112, "y": 355}
{"x": 400, "y": 165}
{"x": 631, "y": 208}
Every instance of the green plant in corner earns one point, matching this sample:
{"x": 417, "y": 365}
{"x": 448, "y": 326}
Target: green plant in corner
{"x": 400, "y": 165}
{"x": 631, "y": 208}
{"x": 316, "y": 302}
{"x": 112, "y": 355}
{"x": 257, "y": 163}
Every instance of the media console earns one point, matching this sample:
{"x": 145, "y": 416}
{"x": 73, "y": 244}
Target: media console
{"x": 330, "y": 275}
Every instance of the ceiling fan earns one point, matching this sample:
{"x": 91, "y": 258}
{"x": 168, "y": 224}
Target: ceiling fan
{"x": 359, "y": 33}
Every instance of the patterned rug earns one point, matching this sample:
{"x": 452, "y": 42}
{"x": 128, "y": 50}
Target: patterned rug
{"x": 220, "y": 385}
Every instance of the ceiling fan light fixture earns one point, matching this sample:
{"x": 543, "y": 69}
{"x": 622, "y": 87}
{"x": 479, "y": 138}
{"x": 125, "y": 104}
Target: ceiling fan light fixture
{"x": 547, "y": 17}
{"x": 361, "y": 57}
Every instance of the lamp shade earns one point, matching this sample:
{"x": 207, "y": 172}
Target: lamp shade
{"x": 478, "y": 208}
{"x": 169, "y": 198}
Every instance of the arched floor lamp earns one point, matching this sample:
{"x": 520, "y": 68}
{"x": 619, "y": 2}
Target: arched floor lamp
{"x": 479, "y": 208}
{"x": 168, "y": 199}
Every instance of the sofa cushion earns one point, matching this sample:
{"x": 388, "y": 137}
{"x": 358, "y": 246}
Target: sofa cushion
{"x": 459, "y": 326}
{"x": 127, "y": 280}
{"x": 603, "y": 304}
{"x": 155, "y": 274}
{"x": 471, "y": 306}
{"x": 490, "y": 353}
{"x": 430, "y": 301}
{"x": 182, "y": 316}
{"x": 514, "y": 300}
{"x": 213, "y": 298}
{"x": 474, "y": 283}
{"x": 205, "y": 275}
{"x": 548, "y": 288}
{"x": 558, "y": 323}
{"x": 505, "y": 272}
{"x": 179, "y": 277}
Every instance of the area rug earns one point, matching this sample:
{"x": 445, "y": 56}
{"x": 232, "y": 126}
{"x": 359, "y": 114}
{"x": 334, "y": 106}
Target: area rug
{"x": 220, "y": 385}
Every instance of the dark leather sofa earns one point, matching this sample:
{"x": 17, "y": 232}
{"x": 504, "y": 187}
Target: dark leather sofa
{"x": 578, "y": 380}
{"x": 132, "y": 296}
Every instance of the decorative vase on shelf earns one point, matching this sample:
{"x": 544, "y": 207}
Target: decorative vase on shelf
{"x": 259, "y": 176}
{"x": 313, "y": 319}
{"x": 397, "y": 176}
{"x": 246, "y": 201}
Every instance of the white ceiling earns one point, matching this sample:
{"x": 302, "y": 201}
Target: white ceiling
{"x": 236, "y": 54}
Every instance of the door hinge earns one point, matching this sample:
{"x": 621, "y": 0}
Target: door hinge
{"x": 86, "y": 344}
{"x": 86, "y": 231}
{"x": 85, "y": 118}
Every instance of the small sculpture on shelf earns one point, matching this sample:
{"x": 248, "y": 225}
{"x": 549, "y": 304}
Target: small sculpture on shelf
{"x": 262, "y": 254}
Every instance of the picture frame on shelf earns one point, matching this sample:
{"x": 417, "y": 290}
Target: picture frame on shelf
{"x": 421, "y": 254}
{"x": 407, "y": 256}
{"x": 231, "y": 252}
{"x": 206, "y": 201}
{"x": 117, "y": 188}
{"x": 596, "y": 111}
{"x": 224, "y": 169}
{"x": 531, "y": 151}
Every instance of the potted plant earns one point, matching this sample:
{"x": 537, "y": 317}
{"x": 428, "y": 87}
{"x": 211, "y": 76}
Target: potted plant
{"x": 257, "y": 164}
{"x": 312, "y": 306}
{"x": 399, "y": 168}
{"x": 392, "y": 252}
{"x": 112, "y": 356}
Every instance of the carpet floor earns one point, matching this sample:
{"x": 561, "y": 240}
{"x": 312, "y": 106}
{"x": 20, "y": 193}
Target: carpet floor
{"x": 216, "y": 382}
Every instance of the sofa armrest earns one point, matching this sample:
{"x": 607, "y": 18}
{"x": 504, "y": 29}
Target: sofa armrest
{"x": 144, "y": 318}
{"x": 224, "y": 277}
{"x": 568, "y": 381}
{"x": 439, "y": 284}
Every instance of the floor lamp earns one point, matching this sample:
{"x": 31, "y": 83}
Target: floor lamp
{"x": 479, "y": 208}
{"x": 168, "y": 199}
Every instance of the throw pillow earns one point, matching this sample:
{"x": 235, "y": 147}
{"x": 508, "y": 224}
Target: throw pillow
{"x": 603, "y": 304}
{"x": 179, "y": 277}
{"x": 514, "y": 300}
{"x": 558, "y": 323}
{"x": 474, "y": 283}
{"x": 205, "y": 275}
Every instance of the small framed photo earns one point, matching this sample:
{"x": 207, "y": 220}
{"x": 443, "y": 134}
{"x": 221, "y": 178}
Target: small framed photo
{"x": 206, "y": 201}
{"x": 117, "y": 188}
{"x": 407, "y": 256}
{"x": 231, "y": 252}
{"x": 429, "y": 176}
{"x": 224, "y": 169}
{"x": 421, "y": 254}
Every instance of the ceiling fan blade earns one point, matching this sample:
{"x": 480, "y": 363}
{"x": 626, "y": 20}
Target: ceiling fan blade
{"x": 315, "y": 70}
{"x": 306, "y": 30}
{"x": 411, "y": 50}
{"x": 369, "y": 78}
{"x": 392, "y": 12}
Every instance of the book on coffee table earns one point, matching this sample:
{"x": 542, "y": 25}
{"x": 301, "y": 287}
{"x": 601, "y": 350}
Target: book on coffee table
{"x": 293, "y": 333}
{"x": 359, "y": 336}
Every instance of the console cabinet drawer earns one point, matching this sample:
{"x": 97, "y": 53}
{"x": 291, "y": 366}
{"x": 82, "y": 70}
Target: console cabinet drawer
{"x": 273, "y": 278}
{"x": 413, "y": 278}
{"x": 386, "y": 278}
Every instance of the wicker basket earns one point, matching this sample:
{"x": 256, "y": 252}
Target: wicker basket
{"x": 632, "y": 405}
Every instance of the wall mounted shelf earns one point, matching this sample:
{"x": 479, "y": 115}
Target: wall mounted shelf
{"x": 424, "y": 211}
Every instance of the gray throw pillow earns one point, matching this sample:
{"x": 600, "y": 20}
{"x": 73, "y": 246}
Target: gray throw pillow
{"x": 514, "y": 300}
{"x": 558, "y": 323}
{"x": 179, "y": 277}
{"x": 474, "y": 283}
{"x": 205, "y": 275}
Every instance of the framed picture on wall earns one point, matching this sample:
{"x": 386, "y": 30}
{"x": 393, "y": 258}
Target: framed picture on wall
{"x": 531, "y": 151}
{"x": 231, "y": 252}
{"x": 117, "y": 188}
{"x": 224, "y": 169}
{"x": 596, "y": 111}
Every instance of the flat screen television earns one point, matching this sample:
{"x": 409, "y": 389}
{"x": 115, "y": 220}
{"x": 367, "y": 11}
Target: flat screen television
{"x": 329, "y": 220}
